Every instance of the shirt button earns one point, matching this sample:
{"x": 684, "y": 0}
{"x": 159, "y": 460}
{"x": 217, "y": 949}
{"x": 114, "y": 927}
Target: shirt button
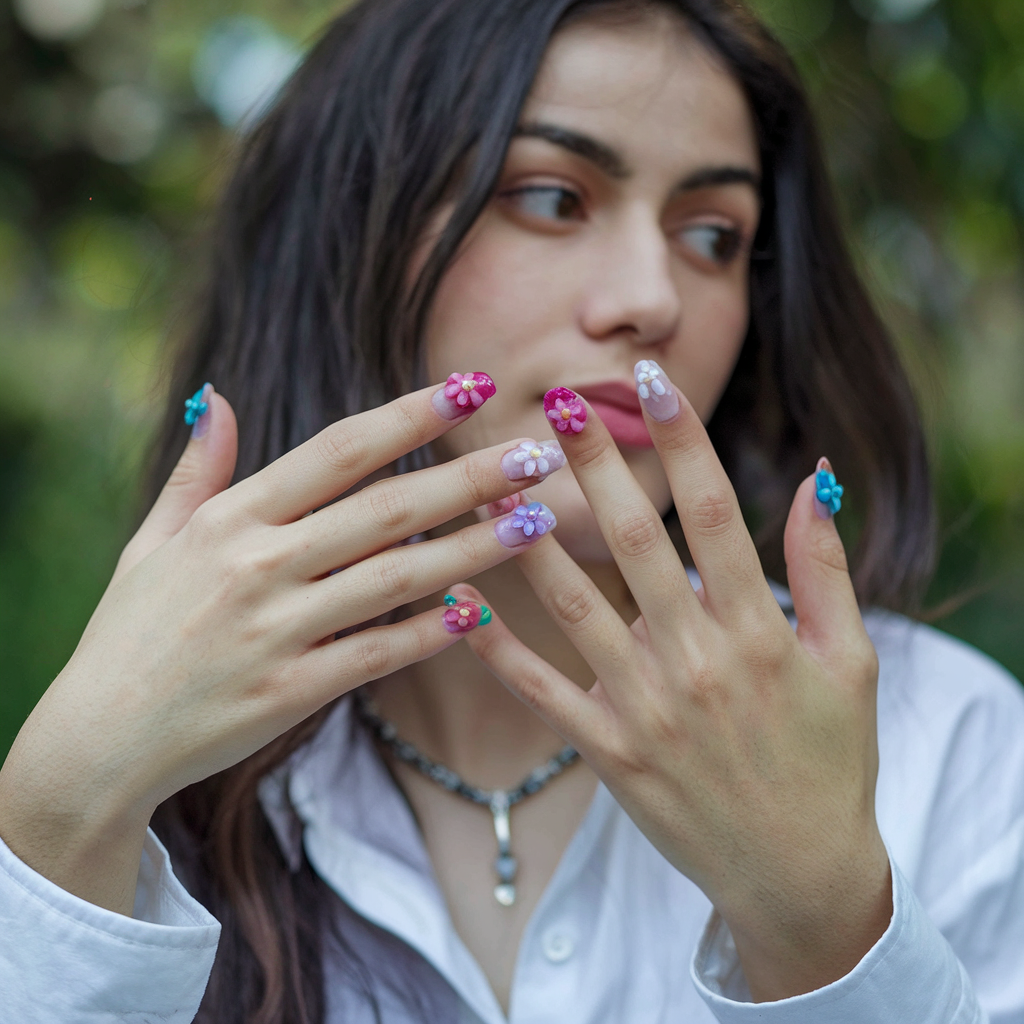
{"x": 558, "y": 946}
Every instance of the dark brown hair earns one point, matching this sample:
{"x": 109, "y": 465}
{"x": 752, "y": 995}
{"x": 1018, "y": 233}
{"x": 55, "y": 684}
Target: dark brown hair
{"x": 307, "y": 319}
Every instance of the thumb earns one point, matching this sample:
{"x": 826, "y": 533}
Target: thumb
{"x": 204, "y": 469}
{"x": 819, "y": 577}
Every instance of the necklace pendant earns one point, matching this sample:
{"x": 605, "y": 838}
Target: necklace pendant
{"x": 505, "y": 894}
{"x": 505, "y": 864}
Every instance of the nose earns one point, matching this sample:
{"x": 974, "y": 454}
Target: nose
{"x": 630, "y": 290}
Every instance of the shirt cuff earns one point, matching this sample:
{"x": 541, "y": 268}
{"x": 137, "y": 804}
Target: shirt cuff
{"x": 62, "y": 958}
{"x": 910, "y": 974}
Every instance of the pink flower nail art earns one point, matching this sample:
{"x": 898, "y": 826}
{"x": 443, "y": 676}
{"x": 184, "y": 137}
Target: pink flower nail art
{"x": 462, "y": 394}
{"x": 462, "y": 616}
{"x": 565, "y": 410}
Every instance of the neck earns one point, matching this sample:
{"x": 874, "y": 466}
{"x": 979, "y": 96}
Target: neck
{"x": 456, "y": 712}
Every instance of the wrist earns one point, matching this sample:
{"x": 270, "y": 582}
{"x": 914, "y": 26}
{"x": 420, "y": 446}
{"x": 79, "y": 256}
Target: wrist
{"x": 83, "y": 834}
{"x": 796, "y": 939}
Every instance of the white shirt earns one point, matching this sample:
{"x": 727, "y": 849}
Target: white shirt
{"x": 619, "y": 936}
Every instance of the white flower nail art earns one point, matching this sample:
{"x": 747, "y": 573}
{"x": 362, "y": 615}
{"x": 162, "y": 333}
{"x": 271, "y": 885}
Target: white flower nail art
{"x": 533, "y": 459}
{"x": 648, "y": 379}
{"x": 656, "y": 392}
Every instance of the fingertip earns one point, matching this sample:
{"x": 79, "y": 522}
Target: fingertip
{"x": 464, "y": 610}
{"x": 504, "y": 506}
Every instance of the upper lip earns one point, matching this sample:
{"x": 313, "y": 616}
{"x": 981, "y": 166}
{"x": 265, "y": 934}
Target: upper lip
{"x": 612, "y": 392}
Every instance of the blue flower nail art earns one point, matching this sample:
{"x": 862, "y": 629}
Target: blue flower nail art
{"x": 195, "y": 407}
{"x": 828, "y": 492}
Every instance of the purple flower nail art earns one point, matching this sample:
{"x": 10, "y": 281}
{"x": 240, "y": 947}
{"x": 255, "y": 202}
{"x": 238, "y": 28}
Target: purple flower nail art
{"x": 565, "y": 410}
{"x": 526, "y": 523}
{"x": 533, "y": 459}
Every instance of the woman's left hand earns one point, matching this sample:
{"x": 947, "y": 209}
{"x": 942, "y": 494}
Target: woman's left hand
{"x": 746, "y": 753}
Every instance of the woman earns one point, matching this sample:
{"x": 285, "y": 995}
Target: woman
{"x": 615, "y": 214}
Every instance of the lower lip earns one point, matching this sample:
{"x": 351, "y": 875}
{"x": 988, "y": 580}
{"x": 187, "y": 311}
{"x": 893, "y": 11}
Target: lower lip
{"x": 626, "y": 427}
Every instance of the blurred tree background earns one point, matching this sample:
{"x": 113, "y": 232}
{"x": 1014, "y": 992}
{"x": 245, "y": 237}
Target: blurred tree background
{"x": 116, "y": 125}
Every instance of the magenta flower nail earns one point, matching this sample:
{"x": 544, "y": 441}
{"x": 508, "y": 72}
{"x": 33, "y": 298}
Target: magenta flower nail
{"x": 462, "y": 616}
{"x": 565, "y": 410}
{"x": 526, "y": 523}
{"x": 463, "y": 393}
{"x": 533, "y": 459}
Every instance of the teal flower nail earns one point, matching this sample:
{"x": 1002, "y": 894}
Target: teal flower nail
{"x": 195, "y": 407}
{"x": 828, "y": 492}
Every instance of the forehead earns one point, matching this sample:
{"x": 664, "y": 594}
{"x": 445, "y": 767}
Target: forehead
{"x": 648, "y": 86}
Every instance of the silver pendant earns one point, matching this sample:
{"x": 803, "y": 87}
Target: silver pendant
{"x": 505, "y": 864}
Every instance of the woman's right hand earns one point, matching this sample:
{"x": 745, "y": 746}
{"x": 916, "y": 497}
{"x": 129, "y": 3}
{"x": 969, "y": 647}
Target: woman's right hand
{"x": 216, "y": 633}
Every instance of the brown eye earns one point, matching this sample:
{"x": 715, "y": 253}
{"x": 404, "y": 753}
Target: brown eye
{"x": 549, "y": 202}
{"x": 714, "y": 242}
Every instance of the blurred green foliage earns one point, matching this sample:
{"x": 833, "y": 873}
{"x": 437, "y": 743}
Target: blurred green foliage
{"x": 113, "y": 145}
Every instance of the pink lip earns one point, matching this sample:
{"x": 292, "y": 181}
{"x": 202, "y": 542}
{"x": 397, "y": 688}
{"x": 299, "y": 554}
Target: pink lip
{"x": 619, "y": 408}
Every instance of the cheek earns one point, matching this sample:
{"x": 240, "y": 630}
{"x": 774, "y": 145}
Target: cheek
{"x": 713, "y": 336}
{"x": 491, "y": 306}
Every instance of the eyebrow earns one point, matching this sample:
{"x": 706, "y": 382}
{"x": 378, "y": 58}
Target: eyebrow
{"x": 613, "y": 164}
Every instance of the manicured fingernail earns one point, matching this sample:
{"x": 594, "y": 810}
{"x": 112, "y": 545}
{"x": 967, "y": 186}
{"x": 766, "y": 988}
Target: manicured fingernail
{"x": 503, "y": 506}
{"x": 462, "y": 394}
{"x": 462, "y": 616}
{"x": 197, "y": 410}
{"x": 526, "y": 524}
{"x": 565, "y": 410}
{"x": 656, "y": 391}
{"x": 534, "y": 460}
{"x": 827, "y": 493}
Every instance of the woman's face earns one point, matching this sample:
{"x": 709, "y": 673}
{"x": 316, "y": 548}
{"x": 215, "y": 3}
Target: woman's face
{"x": 620, "y": 230}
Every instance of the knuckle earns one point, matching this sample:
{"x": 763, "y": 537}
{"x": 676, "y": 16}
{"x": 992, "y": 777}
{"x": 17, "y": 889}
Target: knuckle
{"x": 768, "y": 654}
{"x": 467, "y": 552}
{"x": 392, "y": 576}
{"x": 212, "y": 522}
{"x": 473, "y": 480}
{"x": 635, "y": 534}
{"x": 338, "y": 448}
{"x": 704, "y": 686}
{"x": 573, "y": 604}
{"x": 531, "y": 689}
{"x": 863, "y": 657}
{"x": 405, "y": 426}
{"x": 711, "y": 513}
{"x": 264, "y": 557}
{"x": 389, "y": 505}
{"x": 827, "y": 549}
{"x": 593, "y": 455}
{"x": 373, "y": 655}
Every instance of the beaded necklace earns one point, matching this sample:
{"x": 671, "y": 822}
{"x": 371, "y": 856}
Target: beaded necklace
{"x": 499, "y": 801}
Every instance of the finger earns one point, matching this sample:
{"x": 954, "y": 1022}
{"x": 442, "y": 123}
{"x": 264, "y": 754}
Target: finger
{"x": 204, "y": 469}
{"x": 716, "y": 535}
{"x": 824, "y": 599}
{"x": 391, "y": 510}
{"x": 347, "y": 451}
{"x": 630, "y": 524}
{"x": 552, "y": 695}
{"x": 580, "y": 610}
{"x": 335, "y": 667}
{"x": 398, "y": 576}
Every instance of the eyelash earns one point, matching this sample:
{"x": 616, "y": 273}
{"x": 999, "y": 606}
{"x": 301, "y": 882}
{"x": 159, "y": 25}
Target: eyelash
{"x": 725, "y": 242}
